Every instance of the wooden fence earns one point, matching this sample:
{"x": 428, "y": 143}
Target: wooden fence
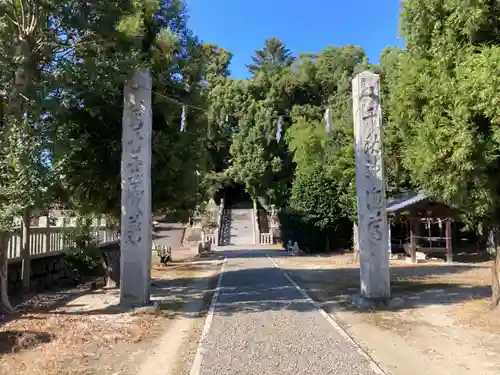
{"x": 49, "y": 240}
{"x": 266, "y": 239}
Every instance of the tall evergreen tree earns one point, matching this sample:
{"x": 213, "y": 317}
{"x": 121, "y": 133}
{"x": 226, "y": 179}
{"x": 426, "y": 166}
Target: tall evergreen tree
{"x": 273, "y": 56}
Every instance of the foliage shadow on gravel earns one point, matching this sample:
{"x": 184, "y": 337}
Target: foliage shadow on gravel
{"x": 14, "y": 341}
{"x": 415, "y": 285}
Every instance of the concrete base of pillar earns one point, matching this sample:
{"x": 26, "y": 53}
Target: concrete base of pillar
{"x": 417, "y": 261}
{"x": 133, "y": 304}
{"x": 367, "y": 304}
{"x": 151, "y": 308}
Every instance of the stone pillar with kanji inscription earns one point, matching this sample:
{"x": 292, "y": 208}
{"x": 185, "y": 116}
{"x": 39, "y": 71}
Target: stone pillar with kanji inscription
{"x": 370, "y": 188}
{"x": 136, "y": 222}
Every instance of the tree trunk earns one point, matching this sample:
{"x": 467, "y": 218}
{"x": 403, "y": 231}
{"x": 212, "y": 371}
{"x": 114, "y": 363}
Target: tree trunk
{"x": 25, "y": 250}
{"x": 5, "y": 306}
{"x": 495, "y": 286}
{"x": 495, "y": 271}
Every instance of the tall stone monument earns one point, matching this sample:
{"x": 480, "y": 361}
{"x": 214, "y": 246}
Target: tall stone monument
{"x": 370, "y": 188}
{"x": 136, "y": 221}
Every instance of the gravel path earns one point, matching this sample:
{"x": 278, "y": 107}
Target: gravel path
{"x": 263, "y": 325}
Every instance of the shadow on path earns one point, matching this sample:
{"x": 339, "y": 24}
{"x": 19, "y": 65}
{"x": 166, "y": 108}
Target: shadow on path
{"x": 14, "y": 341}
{"x": 250, "y": 290}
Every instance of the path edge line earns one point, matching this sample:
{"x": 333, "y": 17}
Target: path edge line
{"x": 195, "y": 368}
{"x": 374, "y": 365}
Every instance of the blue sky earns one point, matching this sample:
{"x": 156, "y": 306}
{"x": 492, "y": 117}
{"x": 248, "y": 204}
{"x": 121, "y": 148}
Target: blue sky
{"x": 241, "y": 26}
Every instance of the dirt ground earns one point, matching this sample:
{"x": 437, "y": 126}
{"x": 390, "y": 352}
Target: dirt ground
{"x": 85, "y": 332}
{"x": 438, "y": 324}
{"x": 439, "y": 321}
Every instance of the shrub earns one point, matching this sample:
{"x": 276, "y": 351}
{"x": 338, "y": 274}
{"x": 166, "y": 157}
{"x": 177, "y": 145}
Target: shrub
{"x": 82, "y": 256}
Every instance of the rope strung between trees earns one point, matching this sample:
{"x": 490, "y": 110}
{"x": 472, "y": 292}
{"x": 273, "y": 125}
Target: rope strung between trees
{"x": 279, "y": 131}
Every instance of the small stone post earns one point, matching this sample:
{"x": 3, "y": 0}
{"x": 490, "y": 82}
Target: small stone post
{"x": 256, "y": 229}
{"x": 136, "y": 221}
{"x": 47, "y": 234}
{"x": 449, "y": 248}
{"x": 370, "y": 187}
{"x": 274, "y": 220}
{"x": 414, "y": 232}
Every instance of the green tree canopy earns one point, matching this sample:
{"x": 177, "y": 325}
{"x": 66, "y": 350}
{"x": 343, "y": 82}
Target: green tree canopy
{"x": 442, "y": 105}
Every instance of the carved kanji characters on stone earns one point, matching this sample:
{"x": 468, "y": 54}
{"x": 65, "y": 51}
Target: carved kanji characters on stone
{"x": 372, "y": 233}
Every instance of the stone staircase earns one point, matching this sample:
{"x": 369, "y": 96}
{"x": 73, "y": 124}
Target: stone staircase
{"x": 241, "y": 231}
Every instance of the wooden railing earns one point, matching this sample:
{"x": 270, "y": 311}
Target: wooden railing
{"x": 211, "y": 237}
{"x": 266, "y": 239}
{"x": 48, "y": 241}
